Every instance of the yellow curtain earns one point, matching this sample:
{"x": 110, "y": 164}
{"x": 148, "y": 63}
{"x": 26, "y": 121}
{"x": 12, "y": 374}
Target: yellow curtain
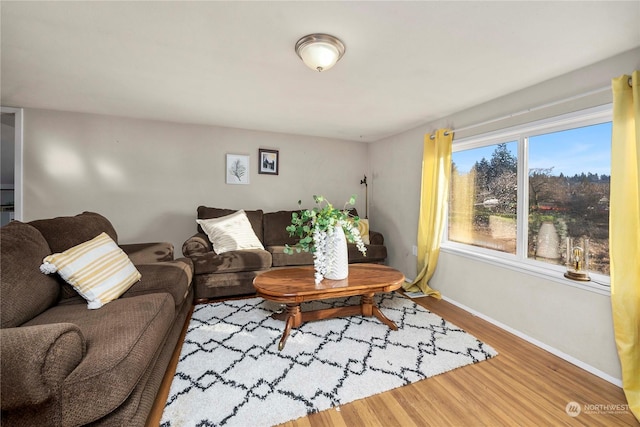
{"x": 461, "y": 206}
{"x": 436, "y": 172}
{"x": 624, "y": 239}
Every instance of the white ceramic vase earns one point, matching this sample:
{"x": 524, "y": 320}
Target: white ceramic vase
{"x": 337, "y": 256}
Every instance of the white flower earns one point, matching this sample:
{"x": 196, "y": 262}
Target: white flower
{"x": 320, "y": 255}
{"x": 348, "y": 225}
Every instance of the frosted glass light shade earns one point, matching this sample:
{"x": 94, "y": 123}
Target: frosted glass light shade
{"x": 320, "y": 51}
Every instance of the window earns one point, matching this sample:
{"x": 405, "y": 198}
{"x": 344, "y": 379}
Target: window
{"x": 529, "y": 195}
{"x": 483, "y": 201}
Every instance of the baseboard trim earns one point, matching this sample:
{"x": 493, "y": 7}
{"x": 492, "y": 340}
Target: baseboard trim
{"x": 552, "y": 350}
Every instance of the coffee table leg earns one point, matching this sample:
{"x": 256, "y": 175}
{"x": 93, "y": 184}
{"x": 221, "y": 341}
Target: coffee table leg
{"x": 370, "y": 309}
{"x": 384, "y": 319}
{"x": 367, "y": 304}
{"x": 294, "y": 319}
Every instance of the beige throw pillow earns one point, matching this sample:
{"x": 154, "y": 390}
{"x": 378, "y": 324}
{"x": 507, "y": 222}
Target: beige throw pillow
{"x": 230, "y": 233}
{"x": 97, "y": 269}
{"x": 363, "y": 228}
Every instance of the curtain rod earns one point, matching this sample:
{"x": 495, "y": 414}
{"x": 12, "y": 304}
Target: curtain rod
{"x": 529, "y": 110}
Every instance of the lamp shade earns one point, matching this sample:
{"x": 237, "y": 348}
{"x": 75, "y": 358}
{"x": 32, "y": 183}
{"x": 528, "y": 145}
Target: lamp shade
{"x": 320, "y": 51}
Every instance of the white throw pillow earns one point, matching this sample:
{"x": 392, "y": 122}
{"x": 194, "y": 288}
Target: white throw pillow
{"x": 230, "y": 233}
{"x": 97, "y": 269}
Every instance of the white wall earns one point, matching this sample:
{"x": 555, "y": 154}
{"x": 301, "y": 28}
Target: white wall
{"x": 574, "y": 321}
{"x": 148, "y": 177}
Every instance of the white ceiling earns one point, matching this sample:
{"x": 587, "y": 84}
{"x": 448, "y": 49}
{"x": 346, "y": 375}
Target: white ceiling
{"x": 233, "y": 63}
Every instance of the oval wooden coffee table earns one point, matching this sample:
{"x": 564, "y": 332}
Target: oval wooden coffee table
{"x": 293, "y": 286}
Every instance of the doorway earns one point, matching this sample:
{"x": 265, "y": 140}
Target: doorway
{"x": 10, "y": 164}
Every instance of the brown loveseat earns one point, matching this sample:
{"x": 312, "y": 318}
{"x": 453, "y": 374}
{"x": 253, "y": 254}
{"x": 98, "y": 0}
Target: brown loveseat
{"x": 66, "y": 365}
{"x": 232, "y": 273}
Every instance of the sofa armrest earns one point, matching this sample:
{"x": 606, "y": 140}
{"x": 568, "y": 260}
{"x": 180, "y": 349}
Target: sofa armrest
{"x": 196, "y": 245}
{"x": 36, "y": 360}
{"x": 146, "y": 253}
{"x": 376, "y": 238}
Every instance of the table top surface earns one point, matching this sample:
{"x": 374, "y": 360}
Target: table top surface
{"x": 297, "y": 284}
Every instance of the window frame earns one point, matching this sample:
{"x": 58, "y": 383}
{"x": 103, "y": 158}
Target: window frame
{"x": 519, "y": 261}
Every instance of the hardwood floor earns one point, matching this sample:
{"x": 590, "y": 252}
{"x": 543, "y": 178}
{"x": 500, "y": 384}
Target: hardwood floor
{"x": 524, "y": 385}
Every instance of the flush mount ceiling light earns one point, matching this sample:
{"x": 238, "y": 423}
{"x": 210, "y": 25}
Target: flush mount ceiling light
{"x": 320, "y": 51}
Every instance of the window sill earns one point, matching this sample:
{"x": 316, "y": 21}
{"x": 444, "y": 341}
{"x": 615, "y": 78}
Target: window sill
{"x": 598, "y": 284}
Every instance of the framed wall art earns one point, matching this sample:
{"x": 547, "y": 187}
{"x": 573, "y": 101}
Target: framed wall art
{"x": 237, "y": 169}
{"x": 269, "y": 161}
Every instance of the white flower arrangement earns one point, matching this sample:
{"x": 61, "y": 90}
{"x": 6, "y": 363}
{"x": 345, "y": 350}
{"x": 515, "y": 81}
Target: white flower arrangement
{"x": 314, "y": 227}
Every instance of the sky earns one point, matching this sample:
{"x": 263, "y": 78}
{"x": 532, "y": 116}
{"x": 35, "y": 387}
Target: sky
{"x": 586, "y": 149}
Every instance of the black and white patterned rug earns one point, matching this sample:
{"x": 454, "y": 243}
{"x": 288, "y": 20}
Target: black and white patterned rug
{"x": 230, "y": 371}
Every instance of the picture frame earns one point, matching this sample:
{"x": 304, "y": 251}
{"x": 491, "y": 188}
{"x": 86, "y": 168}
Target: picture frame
{"x": 237, "y": 169}
{"x": 268, "y": 161}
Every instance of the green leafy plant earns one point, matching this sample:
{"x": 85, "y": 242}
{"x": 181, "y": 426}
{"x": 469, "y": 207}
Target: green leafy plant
{"x": 311, "y": 224}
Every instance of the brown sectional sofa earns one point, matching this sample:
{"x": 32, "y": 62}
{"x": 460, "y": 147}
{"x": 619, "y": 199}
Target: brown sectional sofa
{"x": 66, "y": 365}
{"x": 232, "y": 273}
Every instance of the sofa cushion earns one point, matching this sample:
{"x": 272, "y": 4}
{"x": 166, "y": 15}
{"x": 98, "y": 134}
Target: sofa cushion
{"x": 275, "y": 229}
{"x": 220, "y": 285}
{"x": 281, "y": 259}
{"x": 230, "y": 232}
{"x": 97, "y": 269}
{"x": 123, "y": 339}
{"x": 173, "y": 277}
{"x": 26, "y": 292}
{"x": 64, "y": 232}
{"x": 230, "y": 262}
{"x": 255, "y": 218}
{"x": 375, "y": 253}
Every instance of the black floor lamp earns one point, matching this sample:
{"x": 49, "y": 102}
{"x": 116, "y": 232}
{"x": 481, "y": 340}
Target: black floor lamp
{"x": 366, "y": 196}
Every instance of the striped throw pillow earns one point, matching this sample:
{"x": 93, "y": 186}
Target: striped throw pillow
{"x": 97, "y": 269}
{"x": 230, "y": 233}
